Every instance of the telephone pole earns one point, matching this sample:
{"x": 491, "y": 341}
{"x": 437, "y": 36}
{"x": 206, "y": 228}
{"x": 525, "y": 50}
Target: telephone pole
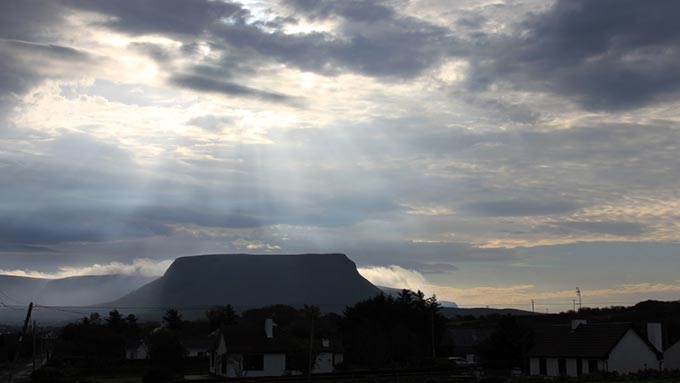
{"x": 578, "y": 293}
{"x": 19, "y": 342}
{"x": 532, "y": 306}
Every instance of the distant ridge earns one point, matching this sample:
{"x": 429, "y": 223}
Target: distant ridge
{"x": 70, "y": 291}
{"x": 330, "y": 281}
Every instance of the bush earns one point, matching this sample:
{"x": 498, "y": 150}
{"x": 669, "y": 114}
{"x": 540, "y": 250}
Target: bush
{"x": 49, "y": 375}
{"x": 159, "y": 375}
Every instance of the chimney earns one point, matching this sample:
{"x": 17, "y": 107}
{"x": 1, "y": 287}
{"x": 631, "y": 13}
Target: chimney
{"x": 577, "y": 322}
{"x": 654, "y": 335}
{"x": 269, "y": 328}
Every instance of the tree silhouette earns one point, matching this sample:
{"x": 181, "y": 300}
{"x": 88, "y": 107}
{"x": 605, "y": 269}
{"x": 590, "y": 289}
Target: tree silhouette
{"x": 221, "y": 316}
{"x": 172, "y": 320}
{"x": 115, "y": 321}
{"x": 386, "y": 332}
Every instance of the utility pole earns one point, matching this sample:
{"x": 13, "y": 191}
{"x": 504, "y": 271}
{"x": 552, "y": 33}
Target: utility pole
{"x": 35, "y": 337}
{"x": 578, "y": 293}
{"x": 310, "y": 364}
{"x": 533, "y": 308}
{"x": 574, "y": 302}
{"x": 19, "y": 342}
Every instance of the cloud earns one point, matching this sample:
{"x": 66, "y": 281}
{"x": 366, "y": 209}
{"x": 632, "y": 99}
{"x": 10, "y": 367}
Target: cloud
{"x": 244, "y": 244}
{"x": 520, "y": 208}
{"x": 604, "y": 55}
{"x": 211, "y": 85}
{"x": 612, "y": 228}
{"x": 142, "y": 266}
{"x": 394, "y": 276}
{"x": 188, "y": 17}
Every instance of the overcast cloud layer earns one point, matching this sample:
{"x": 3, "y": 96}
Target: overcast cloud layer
{"x": 489, "y": 151}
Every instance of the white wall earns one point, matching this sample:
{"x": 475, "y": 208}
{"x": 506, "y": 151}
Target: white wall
{"x": 534, "y": 367}
{"x": 137, "y": 353}
{"x": 324, "y": 363}
{"x": 671, "y": 357}
{"x": 632, "y": 354}
{"x": 274, "y": 365}
{"x": 552, "y": 365}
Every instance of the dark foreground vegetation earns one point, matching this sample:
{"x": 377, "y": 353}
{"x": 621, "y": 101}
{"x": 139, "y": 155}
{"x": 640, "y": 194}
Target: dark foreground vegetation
{"x": 387, "y": 339}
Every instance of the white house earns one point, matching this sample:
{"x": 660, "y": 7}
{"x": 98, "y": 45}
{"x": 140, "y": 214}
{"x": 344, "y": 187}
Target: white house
{"x": 196, "y": 347}
{"x": 246, "y": 351}
{"x": 136, "y": 350}
{"x": 671, "y": 357}
{"x": 589, "y": 348}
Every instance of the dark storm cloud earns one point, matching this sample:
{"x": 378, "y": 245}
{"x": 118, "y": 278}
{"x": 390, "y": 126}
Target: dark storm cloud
{"x": 29, "y": 19}
{"x": 605, "y": 55}
{"x": 211, "y": 85}
{"x": 597, "y": 227}
{"x": 362, "y": 11}
{"x": 190, "y": 17}
{"x": 372, "y": 40}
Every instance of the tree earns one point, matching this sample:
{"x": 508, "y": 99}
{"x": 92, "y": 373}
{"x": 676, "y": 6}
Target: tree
{"x": 172, "y": 320}
{"x": 165, "y": 348}
{"x": 220, "y": 316}
{"x": 131, "y": 326}
{"x": 386, "y": 332}
{"x": 504, "y": 347}
{"x": 115, "y": 321}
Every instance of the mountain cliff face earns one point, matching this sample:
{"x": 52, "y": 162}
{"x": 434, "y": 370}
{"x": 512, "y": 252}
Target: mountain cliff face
{"x": 244, "y": 280}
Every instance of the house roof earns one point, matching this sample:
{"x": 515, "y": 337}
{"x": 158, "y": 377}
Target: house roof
{"x": 594, "y": 341}
{"x": 245, "y": 338}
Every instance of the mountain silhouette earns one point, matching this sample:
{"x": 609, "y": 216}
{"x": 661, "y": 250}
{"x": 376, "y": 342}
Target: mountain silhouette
{"x": 330, "y": 281}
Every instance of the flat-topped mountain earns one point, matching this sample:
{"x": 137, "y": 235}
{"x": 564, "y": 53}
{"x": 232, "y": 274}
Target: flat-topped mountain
{"x": 246, "y": 280}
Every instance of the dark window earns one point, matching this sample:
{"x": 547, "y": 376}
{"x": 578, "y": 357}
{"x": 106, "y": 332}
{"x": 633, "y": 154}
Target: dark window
{"x": 253, "y": 362}
{"x": 562, "y": 367}
{"x": 542, "y": 367}
{"x": 224, "y": 364}
{"x": 592, "y": 366}
{"x": 579, "y": 367}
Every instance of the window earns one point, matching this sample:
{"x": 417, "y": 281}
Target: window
{"x": 542, "y": 366}
{"x": 592, "y": 366}
{"x": 562, "y": 367}
{"x": 253, "y": 362}
{"x": 579, "y": 367}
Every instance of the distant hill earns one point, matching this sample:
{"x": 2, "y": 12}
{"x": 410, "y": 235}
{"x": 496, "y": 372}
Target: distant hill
{"x": 394, "y": 292}
{"x": 71, "y": 291}
{"x": 330, "y": 281}
{"x": 452, "y": 312}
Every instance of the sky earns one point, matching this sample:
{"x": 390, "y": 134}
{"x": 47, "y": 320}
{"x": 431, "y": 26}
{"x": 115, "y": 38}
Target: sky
{"x": 491, "y": 152}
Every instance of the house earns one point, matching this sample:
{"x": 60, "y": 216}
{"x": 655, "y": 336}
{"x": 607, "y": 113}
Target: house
{"x": 253, "y": 351}
{"x": 589, "y": 348}
{"x": 463, "y": 342}
{"x": 136, "y": 349}
{"x": 196, "y": 347}
{"x": 671, "y": 357}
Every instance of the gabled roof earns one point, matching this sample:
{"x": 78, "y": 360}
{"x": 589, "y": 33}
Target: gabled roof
{"x": 594, "y": 341}
{"x": 246, "y": 338}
